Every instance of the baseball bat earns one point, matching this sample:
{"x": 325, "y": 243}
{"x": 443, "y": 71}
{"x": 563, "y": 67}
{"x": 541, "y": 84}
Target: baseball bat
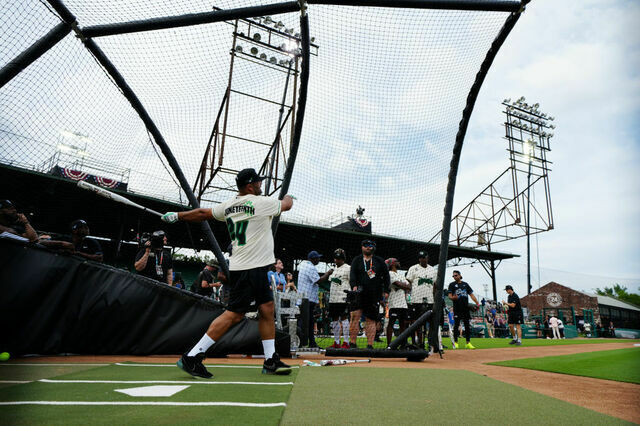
{"x": 327, "y": 362}
{"x": 115, "y": 197}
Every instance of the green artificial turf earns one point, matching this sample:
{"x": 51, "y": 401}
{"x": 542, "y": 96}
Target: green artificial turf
{"x": 622, "y": 365}
{"x": 347, "y": 395}
{"x": 144, "y": 415}
{"x": 17, "y": 372}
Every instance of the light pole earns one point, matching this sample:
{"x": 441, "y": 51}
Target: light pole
{"x": 530, "y": 152}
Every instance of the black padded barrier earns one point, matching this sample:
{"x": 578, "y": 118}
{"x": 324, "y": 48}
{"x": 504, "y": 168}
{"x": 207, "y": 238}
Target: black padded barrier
{"x": 59, "y": 304}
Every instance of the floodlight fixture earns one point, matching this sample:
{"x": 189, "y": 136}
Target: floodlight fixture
{"x": 553, "y": 126}
{"x": 257, "y": 36}
{"x": 239, "y": 48}
{"x": 268, "y": 20}
{"x": 279, "y": 25}
{"x": 263, "y": 56}
{"x": 551, "y": 118}
{"x": 254, "y": 51}
{"x": 273, "y": 60}
{"x": 313, "y": 39}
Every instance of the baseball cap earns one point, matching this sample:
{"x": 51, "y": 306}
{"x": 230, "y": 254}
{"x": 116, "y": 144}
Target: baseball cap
{"x": 213, "y": 262}
{"x": 313, "y": 255}
{"x": 423, "y": 254}
{"x": 368, "y": 242}
{"x": 5, "y": 204}
{"x": 508, "y": 287}
{"x": 78, "y": 224}
{"x": 339, "y": 254}
{"x": 247, "y": 176}
{"x": 390, "y": 261}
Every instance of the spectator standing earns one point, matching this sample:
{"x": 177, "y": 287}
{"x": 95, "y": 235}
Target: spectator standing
{"x": 338, "y": 310}
{"x": 398, "y": 309}
{"x": 515, "y": 316}
{"x": 459, "y": 291}
{"x": 290, "y": 285}
{"x": 153, "y": 261}
{"x": 248, "y": 217}
{"x": 83, "y": 246}
{"x": 421, "y": 276}
{"x": 370, "y": 276}
{"x": 553, "y": 323}
{"x": 561, "y": 328}
{"x": 276, "y": 277}
{"x": 489, "y": 320}
{"x": 308, "y": 281}
{"x": 15, "y": 223}
{"x": 207, "y": 283}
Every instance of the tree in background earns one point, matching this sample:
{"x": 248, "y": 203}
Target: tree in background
{"x": 620, "y": 292}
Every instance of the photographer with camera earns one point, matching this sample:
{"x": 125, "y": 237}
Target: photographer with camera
{"x": 152, "y": 260}
{"x": 370, "y": 276}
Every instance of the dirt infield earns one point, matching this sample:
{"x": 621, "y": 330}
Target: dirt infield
{"x": 608, "y": 397}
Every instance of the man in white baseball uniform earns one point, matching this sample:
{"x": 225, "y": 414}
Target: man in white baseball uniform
{"x": 338, "y": 310}
{"x": 422, "y": 277}
{"x": 248, "y": 217}
{"x": 397, "y": 298}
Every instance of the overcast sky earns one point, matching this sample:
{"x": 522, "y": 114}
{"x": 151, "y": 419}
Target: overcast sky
{"x": 581, "y": 61}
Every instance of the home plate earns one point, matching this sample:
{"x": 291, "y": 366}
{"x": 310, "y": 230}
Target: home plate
{"x": 161, "y": 390}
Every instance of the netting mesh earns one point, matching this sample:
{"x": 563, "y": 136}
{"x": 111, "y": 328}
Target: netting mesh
{"x": 386, "y": 95}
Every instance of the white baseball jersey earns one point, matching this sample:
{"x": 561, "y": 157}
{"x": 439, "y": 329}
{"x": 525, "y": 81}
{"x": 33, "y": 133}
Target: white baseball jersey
{"x": 397, "y": 296}
{"x": 422, "y": 281}
{"x": 248, "y": 219}
{"x": 339, "y": 283}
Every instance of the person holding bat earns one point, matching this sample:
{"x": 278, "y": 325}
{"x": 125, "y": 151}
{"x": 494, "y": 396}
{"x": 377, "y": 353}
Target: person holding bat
{"x": 248, "y": 217}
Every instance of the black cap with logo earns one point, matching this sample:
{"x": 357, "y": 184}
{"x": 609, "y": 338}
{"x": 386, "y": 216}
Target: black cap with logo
{"x": 247, "y": 176}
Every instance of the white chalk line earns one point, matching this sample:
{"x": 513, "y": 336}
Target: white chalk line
{"x": 167, "y": 382}
{"x": 188, "y": 404}
{"x": 206, "y": 365}
{"x": 50, "y": 365}
{"x": 15, "y": 381}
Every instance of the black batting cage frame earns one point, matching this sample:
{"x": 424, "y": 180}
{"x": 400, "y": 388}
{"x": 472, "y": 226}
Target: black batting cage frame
{"x": 87, "y": 34}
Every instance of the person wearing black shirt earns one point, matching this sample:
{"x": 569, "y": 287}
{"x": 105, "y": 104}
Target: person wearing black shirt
{"x": 370, "y": 276}
{"x": 15, "y": 223}
{"x": 153, "y": 261}
{"x": 459, "y": 291}
{"x": 83, "y": 246}
{"x": 515, "y": 316}
{"x": 207, "y": 280}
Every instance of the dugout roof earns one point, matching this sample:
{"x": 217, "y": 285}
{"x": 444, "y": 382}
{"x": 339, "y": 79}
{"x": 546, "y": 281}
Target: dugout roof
{"x": 60, "y": 201}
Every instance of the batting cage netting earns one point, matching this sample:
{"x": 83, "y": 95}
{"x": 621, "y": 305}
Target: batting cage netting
{"x": 367, "y": 113}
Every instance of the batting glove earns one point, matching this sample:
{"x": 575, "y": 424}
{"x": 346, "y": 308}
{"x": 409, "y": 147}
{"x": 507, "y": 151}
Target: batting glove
{"x": 170, "y": 217}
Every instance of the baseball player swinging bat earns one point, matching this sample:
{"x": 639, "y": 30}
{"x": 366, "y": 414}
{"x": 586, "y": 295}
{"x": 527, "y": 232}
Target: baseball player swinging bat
{"x": 328, "y": 362}
{"x": 115, "y": 197}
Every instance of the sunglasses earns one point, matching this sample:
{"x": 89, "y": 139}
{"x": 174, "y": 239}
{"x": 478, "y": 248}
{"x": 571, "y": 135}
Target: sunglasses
{"x": 368, "y": 245}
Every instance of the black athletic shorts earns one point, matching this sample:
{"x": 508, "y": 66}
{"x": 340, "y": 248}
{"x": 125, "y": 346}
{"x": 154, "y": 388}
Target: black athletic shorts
{"x": 417, "y": 309}
{"x": 338, "y": 310}
{"x": 400, "y": 314}
{"x": 370, "y": 309}
{"x": 248, "y": 286}
{"x": 515, "y": 318}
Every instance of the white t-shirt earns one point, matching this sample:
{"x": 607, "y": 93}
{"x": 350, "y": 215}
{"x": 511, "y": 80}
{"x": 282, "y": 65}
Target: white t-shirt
{"x": 339, "y": 283}
{"x": 397, "y": 296}
{"x": 553, "y": 322}
{"x": 422, "y": 281}
{"x": 248, "y": 220}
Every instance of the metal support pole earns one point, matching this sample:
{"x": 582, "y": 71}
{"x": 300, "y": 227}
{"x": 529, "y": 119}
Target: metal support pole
{"x": 302, "y": 103}
{"x": 484, "y": 5}
{"x": 453, "y": 171}
{"x": 529, "y": 230}
{"x": 33, "y": 52}
{"x": 130, "y": 95}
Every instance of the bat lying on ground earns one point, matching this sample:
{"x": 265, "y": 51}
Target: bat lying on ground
{"x": 327, "y": 362}
{"x": 115, "y": 197}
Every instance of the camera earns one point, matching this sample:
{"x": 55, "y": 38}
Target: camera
{"x": 157, "y": 240}
{"x": 353, "y": 297}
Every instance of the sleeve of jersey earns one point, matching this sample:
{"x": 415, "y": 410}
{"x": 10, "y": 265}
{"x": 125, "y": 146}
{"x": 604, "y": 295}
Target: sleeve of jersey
{"x": 268, "y": 206}
{"x": 218, "y": 212}
{"x": 409, "y": 275}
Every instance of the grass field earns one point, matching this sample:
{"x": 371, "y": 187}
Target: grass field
{"x": 481, "y": 343}
{"x": 86, "y": 394}
{"x": 622, "y": 365}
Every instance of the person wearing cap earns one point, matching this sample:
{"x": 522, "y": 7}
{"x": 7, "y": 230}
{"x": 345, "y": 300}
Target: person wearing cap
{"x": 459, "y": 291}
{"x": 83, "y": 246}
{"x": 208, "y": 282}
{"x": 153, "y": 261}
{"x": 308, "y": 284}
{"x": 422, "y": 277}
{"x": 515, "y": 316}
{"x": 248, "y": 217}
{"x": 15, "y": 223}
{"x": 398, "y": 310}
{"x": 370, "y": 276}
{"x": 338, "y": 311}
